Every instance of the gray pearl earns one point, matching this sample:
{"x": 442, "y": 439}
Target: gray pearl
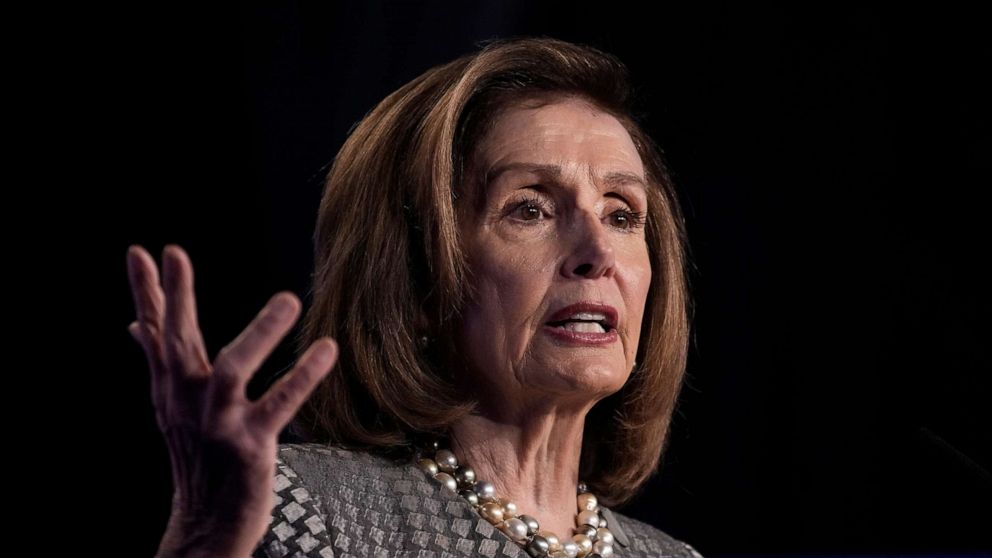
{"x": 582, "y": 488}
{"x": 469, "y": 495}
{"x": 429, "y": 466}
{"x": 532, "y": 525}
{"x": 446, "y": 461}
{"x": 538, "y": 546}
{"x": 485, "y": 490}
{"x": 465, "y": 477}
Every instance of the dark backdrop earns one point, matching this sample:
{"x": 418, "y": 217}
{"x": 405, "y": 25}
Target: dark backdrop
{"x": 832, "y": 166}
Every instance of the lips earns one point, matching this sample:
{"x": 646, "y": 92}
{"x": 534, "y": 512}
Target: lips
{"x": 609, "y": 315}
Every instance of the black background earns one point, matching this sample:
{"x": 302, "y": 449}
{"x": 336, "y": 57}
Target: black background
{"x": 832, "y": 166}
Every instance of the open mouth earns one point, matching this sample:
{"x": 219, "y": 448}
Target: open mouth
{"x": 582, "y": 326}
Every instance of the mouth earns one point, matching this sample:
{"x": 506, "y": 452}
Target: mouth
{"x": 585, "y": 317}
{"x": 583, "y": 326}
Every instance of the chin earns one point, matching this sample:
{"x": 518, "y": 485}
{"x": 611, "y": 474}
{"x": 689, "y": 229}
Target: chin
{"x": 591, "y": 380}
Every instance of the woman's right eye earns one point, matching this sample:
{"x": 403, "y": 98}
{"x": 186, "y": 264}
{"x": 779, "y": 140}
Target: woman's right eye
{"x": 528, "y": 209}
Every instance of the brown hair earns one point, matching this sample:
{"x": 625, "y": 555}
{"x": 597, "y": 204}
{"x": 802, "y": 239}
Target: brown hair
{"x": 390, "y": 270}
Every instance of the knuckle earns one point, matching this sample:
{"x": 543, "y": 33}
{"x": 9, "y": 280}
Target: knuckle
{"x": 226, "y": 360}
{"x": 151, "y": 328}
{"x": 278, "y": 401}
{"x": 225, "y": 380}
{"x": 175, "y": 344}
{"x": 267, "y": 325}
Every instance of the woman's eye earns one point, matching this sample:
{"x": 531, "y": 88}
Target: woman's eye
{"x": 530, "y": 212}
{"x": 533, "y": 210}
{"x": 627, "y": 219}
{"x": 529, "y": 209}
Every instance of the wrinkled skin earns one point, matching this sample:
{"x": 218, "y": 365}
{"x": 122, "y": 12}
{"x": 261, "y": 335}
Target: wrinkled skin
{"x": 222, "y": 446}
{"x": 538, "y": 241}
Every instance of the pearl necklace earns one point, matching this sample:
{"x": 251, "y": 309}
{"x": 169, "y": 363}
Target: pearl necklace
{"x": 590, "y": 538}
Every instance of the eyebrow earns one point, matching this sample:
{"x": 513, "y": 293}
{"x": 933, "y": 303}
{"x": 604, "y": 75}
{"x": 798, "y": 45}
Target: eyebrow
{"x": 613, "y": 178}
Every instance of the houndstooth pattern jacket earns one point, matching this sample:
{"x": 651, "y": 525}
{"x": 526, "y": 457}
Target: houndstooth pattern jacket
{"x": 333, "y": 502}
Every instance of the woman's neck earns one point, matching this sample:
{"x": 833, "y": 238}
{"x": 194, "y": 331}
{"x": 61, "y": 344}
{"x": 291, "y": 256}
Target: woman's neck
{"x": 531, "y": 459}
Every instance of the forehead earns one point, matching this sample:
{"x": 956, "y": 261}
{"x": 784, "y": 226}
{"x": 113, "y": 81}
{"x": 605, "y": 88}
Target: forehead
{"x": 569, "y": 132}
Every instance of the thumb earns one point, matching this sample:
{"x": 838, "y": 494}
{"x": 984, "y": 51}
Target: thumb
{"x": 135, "y": 330}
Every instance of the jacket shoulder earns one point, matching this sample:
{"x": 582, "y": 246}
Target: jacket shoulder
{"x": 333, "y": 501}
{"x": 298, "y": 526}
{"x": 645, "y": 539}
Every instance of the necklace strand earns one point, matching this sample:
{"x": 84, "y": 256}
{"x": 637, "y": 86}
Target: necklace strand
{"x": 590, "y": 538}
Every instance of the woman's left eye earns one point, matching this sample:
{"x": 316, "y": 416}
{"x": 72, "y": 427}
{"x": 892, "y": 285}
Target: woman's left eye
{"x": 628, "y": 219}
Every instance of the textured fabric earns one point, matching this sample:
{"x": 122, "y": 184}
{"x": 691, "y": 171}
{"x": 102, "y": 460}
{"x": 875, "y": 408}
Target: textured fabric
{"x": 335, "y": 502}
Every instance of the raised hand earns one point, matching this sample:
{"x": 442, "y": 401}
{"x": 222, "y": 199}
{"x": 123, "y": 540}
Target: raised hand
{"x": 222, "y": 445}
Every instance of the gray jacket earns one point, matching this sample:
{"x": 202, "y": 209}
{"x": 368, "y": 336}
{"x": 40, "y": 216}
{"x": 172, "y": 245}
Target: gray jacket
{"x": 335, "y": 502}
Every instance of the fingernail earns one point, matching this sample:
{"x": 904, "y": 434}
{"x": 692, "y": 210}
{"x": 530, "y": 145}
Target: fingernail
{"x": 323, "y": 353}
{"x": 282, "y": 308}
{"x": 174, "y": 248}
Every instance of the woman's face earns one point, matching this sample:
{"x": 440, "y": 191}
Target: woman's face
{"x": 558, "y": 221}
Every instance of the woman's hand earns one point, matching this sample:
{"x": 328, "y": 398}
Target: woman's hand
{"x": 222, "y": 446}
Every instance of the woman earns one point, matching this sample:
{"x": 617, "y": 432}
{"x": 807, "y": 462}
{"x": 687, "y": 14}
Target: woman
{"x": 500, "y": 291}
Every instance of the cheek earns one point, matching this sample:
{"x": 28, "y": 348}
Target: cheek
{"x": 638, "y": 282}
{"x": 510, "y": 291}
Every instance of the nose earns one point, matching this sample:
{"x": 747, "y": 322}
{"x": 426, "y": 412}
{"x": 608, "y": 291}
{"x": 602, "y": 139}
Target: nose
{"x": 591, "y": 251}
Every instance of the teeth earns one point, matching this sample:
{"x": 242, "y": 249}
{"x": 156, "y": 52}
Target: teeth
{"x": 583, "y": 327}
{"x": 592, "y": 316}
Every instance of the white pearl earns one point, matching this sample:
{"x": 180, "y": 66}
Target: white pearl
{"x": 516, "y": 528}
{"x": 532, "y": 525}
{"x": 587, "y": 530}
{"x": 571, "y": 549}
{"x": 603, "y": 534}
{"x": 588, "y": 518}
{"x": 603, "y": 549}
{"x": 509, "y": 508}
{"x": 584, "y": 543}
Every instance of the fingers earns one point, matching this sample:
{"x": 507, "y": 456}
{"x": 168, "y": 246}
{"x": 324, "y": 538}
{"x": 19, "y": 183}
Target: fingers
{"x": 237, "y": 362}
{"x": 276, "y": 408}
{"x": 183, "y": 342}
{"x": 149, "y": 302}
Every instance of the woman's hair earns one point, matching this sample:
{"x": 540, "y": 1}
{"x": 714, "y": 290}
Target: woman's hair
{"x": 390, "y": 270}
